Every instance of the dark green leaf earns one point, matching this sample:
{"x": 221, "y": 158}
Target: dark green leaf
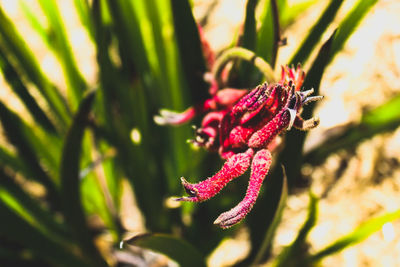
{"x": 292, "y": 154}
{"x": 248, "y": 41}
{"x": 30, "y": 207}
{"x": 70, "y": 184}
{"x": 267, "y": 242}
{"x": 265, "y": 215}
{"x": 17, "y": 229}
{"x": 293, "y": 255}
{"x": 358, "y": 235}
{"x": 131, "y": 43}
{"x": 190, "y": 50}
{"x": 308, "y": 44}
{"x": 249, "y": 35}
{"x": 269, "y": 32}
{"x": 176, "y": 249}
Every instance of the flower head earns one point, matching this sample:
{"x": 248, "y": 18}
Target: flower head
{"x": 243, "y": 127}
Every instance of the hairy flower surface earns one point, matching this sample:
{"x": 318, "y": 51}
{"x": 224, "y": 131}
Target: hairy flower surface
{"x": 243, "y": 127}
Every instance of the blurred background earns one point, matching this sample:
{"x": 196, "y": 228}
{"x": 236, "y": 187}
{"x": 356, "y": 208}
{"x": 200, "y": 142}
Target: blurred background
{"x": 78, "y": 167}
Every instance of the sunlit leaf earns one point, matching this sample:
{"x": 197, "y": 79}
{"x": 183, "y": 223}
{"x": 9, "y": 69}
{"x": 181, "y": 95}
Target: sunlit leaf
{"x": 358, "y": 235}
{"x": 12, "y": 44}
{"x": 25, "y": 141}
{"x": 12, "y": 77}
{"x": 76, "y": 85}
{"x": 350, "y": 23}
{"x": 304, "y": 50}
{"x": 293, "y": 254}
{"x": 383, "y": 118}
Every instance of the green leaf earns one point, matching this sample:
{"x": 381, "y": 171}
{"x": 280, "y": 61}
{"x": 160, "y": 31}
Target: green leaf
{"x": 190, "y": 50}
{"x": 349, "y": 24}
{"x": 25, "y": 141}
{"x": 13, "y": 46}
{"x": 269, "y": 32}
{"x": 176, "y": 249}
{"x": 30, "y": 209}
{"x": 265, "y": 215}
{"x": 383, "y": 118}
{"x": 12, "y": 161}
{"x": 35, "y": 23}
{"x": 14, "y": 80}
{"x": 290, "y": 13}
{"x": 358, "y": 235}
{"x": 249, "y": 34}
{"x": 20, "y": 231}
{"x": 293, "y": 254}
{"x": 266, "y": 244}
{"x": 248, "y": 41}
{"x": 308, "y": 44}
{"x": 131, "y": 44}
{"x": 70, "y": 184}
{"x": 137, "y": 161}
{"x": 292, "y": 154}
{"x": 83, "y": 9}
{"x": 76, "y": 85}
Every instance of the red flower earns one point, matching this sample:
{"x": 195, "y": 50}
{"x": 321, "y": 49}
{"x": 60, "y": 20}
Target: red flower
{"x": 243, "y": 126}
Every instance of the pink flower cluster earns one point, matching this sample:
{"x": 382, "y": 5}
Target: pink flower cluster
{"x": 244, "y": 127}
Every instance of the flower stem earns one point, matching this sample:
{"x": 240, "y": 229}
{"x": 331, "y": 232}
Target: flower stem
{"x": 244, "y": 54}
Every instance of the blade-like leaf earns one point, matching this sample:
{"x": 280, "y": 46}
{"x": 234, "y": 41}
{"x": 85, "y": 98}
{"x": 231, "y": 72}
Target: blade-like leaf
{"x": 131, "y": 43}
{"x": 20, "y": 89}
{"x": 269, "y": 32}
{"x": 383, "y": 118}
{"x": 294, "y": 140}
{"x": 248, "y": 41}
{"x": 361, "y": 233}
{"x": 30, "y": 208}
{"x": 265, "y": 246}
{"x": 349, "y": 24}
{"x": 265, "y": 216}
{"x": 76, "y": 85}
{"x": 136, "y": 160}
{"x": 308, "y": 44}
{"x": 176, "y": 249}
{"x": 190, "y": 50}
{"x": 294, "y": 253}
{"x": 14, "y": 46}
{"x": 290, "y": 13}
{"x": 249, "y": 34}
{"x": 24, "y": 140}
{"x": 20, "y": 231}
{"x": 83, "y": 9}
{"x": 70, "y": 192}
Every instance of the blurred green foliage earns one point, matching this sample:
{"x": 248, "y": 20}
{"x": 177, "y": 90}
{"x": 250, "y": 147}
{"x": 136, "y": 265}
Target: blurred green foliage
{"x": 79, "y": 149}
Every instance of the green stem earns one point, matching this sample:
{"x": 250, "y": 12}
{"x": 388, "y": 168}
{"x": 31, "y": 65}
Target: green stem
{"x": 244, "y": 54}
